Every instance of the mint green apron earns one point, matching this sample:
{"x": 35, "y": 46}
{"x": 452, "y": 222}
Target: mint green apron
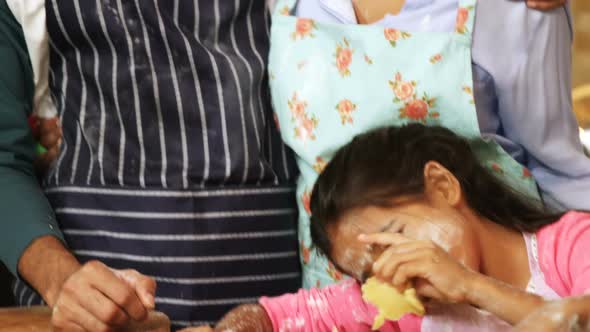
{"x": 330, "y": 82}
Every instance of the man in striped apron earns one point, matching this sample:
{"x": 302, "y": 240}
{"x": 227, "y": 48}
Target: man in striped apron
{"x": 171, "y": 163}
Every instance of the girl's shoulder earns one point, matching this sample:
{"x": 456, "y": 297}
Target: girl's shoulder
{"x": 563, "y": 249}
{"x": 570, "y": 223}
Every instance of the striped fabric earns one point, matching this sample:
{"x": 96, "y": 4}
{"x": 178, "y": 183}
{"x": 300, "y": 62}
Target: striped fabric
{"x": 118, "y": 67}
{"x": 171, "y": 163}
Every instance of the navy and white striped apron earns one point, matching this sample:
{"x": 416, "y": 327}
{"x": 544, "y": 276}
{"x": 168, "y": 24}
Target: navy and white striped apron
{"x": 171, "y": 163}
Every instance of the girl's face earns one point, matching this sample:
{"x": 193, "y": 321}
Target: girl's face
{"x": 415, "y": 219}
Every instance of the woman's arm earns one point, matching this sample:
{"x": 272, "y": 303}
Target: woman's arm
{"x": 528, "y": 53}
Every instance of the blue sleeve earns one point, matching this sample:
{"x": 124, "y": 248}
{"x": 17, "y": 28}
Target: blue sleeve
{"x": 529, "y": 55}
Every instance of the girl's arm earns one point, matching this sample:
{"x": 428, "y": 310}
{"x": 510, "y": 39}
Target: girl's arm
{"x": 439, "y": 276}
{"x": 337, "y": 307}
{"x": 506, "y": 302}
{"x": 563, "y": 253}
{"x": 570, "y": 314}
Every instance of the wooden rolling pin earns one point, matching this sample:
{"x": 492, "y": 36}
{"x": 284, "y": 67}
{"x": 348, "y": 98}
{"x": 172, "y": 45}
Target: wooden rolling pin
{"x": 37, "y": 319}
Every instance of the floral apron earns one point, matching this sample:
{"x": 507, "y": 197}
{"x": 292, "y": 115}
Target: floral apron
{"x": 331, "y": 82}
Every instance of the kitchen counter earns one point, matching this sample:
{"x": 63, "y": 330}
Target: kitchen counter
{"x": 37, "y": 319}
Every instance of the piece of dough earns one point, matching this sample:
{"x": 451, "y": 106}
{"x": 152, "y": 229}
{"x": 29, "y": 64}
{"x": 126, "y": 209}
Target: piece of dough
{"x": 392, "y": 304}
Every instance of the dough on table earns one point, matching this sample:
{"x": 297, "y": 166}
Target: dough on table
{"x": 392, "y": 304}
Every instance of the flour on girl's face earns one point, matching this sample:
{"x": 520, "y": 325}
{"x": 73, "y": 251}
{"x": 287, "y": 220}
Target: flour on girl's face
{"x": 358, "y": 263}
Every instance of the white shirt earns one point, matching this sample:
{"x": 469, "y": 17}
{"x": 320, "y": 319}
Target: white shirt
{"x": 31, "y": 16}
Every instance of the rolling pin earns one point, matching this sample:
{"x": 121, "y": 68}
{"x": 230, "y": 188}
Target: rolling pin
{"x": 37, "y": 319}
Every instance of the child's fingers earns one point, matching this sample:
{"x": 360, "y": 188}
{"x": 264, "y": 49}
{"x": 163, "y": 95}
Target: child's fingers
{"x": 382, "y": 261}
{"x": 413, "y": 246}
{"x": 400, "y": 250}
{"x": 389, "y": 269}
{"x": 385, "y": 239}
{"x": 408, "y": 271}
{"x": 394, "y": 252}
{"x": 426, "y": 290}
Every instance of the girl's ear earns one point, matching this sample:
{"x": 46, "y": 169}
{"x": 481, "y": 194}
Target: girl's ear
{"x": 440, "y": 183}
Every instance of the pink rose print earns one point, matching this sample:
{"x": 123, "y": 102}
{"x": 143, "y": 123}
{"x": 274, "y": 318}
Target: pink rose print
{"x": 319, "y": 165}
{"x": 526, "y": 173}
{"x": 368, "y": 60}
{"x": 393, "y": 35}
{"x": 333, "y": 273}
{"x": 306, "y": 201}
{"x": 416, "y": 109}
{"x": 467, "y": 89}
{"x": 301, "y": 64}
{"x": 275, "y": 117}
{"x": 304, "y": 124}
{"x": 435, "y": 58}
{"x": 462, "y": 17}
{"x": 403, "y": 90}
{"x": 305, "y": 252}
{"x": 306, "y": 128}
{"x": 285, "y": 11}
{"x": 497, "y": 168}
{"x": 345, "y": 108}
{"x": 303, "y": 28}
{"x": 343, "y": 57}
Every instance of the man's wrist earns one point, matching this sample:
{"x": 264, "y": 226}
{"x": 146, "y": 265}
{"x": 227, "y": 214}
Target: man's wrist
{"x": 46, "y": 264}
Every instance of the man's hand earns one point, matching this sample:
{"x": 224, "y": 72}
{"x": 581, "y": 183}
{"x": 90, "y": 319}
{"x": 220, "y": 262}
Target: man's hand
{"x": 545, "y": 4}
{"x": 97, "y": 298}
{"x": 49, "y": 134}
{"x": 91, "y": 297}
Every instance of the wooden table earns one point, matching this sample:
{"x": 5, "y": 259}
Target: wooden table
{"x": 37, "y": 319}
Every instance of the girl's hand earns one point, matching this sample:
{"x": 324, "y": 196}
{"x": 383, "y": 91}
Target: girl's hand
{"x": 545, "y": 4}
{"x": 437, "y": 275}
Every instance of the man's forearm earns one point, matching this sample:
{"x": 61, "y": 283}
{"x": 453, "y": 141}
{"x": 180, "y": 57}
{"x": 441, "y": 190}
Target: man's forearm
{"x": 46, "y": 264}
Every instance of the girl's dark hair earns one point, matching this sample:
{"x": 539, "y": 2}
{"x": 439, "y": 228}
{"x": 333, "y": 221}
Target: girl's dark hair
{"x": 388, "y": 162}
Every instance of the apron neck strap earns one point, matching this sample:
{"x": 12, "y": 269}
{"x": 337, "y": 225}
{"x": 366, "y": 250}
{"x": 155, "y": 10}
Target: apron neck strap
{"x": 284, "y": 7}
{"x": 465, "y": 14}
{"x": 466, "y": 17}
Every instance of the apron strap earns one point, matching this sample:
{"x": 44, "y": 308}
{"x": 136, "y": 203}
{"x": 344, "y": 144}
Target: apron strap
{"x": 286, "y": 7}
{"x": 466, "y": 7}
{"x": 283, "y": 7}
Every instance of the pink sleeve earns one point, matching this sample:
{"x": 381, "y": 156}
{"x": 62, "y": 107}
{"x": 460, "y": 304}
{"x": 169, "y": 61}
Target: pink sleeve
{"x": 564, "y": 254}
{"x": 338, "y": 307}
